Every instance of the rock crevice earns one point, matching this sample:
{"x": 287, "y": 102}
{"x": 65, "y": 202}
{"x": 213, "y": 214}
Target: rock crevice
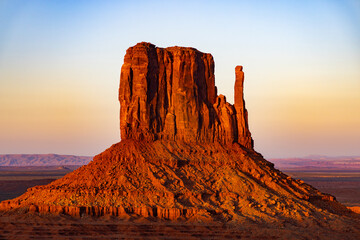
{"x": 185, "y": 154}
{"x": 170, "y": 94}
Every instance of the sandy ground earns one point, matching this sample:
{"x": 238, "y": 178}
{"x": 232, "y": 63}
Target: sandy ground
{"x": 344, "y": 185}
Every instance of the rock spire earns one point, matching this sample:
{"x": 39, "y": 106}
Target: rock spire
{"x": 170, "y": 94}
{"x": 185, "y": 154}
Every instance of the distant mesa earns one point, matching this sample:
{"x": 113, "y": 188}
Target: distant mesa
{"x": 185, "y": 154}
{"x": 22, "y": 160}
{"x": 318, "y": 163}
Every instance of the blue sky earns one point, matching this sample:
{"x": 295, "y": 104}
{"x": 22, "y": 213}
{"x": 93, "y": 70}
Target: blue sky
{"x": 60, "y": 64}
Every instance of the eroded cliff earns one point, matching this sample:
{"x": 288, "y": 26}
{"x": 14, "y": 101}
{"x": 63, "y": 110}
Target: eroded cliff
{"x": 185, "y": 154}
{"x": 170, "y": 93}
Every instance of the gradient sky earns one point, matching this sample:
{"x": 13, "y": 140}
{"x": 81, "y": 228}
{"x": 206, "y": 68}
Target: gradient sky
{"x": 60, "y": 65}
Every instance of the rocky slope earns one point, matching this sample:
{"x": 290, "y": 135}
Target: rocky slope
{"x": 185, "y": 154}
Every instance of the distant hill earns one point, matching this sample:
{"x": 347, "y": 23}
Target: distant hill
{"x": 318, "y": 163}
{"x": 42, "y": 160}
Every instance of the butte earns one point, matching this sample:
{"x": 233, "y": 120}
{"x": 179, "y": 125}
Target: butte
{"x": 185, "y": 154}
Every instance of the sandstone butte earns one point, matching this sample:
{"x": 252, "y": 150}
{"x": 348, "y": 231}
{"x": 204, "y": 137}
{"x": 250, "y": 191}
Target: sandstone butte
{"x": 185, "y": 154}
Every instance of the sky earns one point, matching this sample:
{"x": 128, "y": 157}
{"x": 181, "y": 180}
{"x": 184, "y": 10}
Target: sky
{"x": 60, "y": 66}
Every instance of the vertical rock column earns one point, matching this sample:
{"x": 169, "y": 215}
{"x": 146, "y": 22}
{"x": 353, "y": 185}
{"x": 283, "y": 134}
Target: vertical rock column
{"x": 243, "y": 133}
{"x": 170, "y": 94}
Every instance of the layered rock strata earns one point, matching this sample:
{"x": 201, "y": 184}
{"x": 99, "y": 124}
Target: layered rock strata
{"x": 174, "y": 180}
{"x": 170, "y": 93}
{"x": 185, "y": 154}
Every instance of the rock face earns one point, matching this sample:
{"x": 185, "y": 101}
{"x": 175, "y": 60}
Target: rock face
{"x": 244, "y": 135}
{"x": 170, "y": 94}
{"x": 185, "y": 154}
{"x": 174, "y": 180}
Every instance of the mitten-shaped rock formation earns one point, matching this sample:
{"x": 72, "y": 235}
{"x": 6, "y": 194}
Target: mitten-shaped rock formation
{"x": 170, "y": 94}
{"x": 185, "y": 154}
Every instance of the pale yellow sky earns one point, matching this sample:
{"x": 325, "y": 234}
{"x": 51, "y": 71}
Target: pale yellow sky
{"x": 60, "y": 67}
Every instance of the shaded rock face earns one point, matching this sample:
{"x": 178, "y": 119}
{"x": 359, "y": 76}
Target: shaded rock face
{"x": 177, "y": 181}
{"x": 185, "y": 154}
{"x": 170, "y": 93}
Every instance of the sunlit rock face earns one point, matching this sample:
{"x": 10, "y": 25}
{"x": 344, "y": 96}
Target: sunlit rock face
{"x": 170, "y": 93}
{"x": 185, "y": 154}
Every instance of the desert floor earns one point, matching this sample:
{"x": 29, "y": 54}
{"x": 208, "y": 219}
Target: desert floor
{"x": 44, "y": 226}
{"x": 344, "y": 185}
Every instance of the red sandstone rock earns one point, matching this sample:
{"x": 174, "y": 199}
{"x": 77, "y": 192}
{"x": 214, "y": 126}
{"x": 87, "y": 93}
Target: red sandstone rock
{"x": 172, "y": 180}
{"x": 243, "y": 133}
{"x": 185, "y": 153}
{"x": 170, "y": 94}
